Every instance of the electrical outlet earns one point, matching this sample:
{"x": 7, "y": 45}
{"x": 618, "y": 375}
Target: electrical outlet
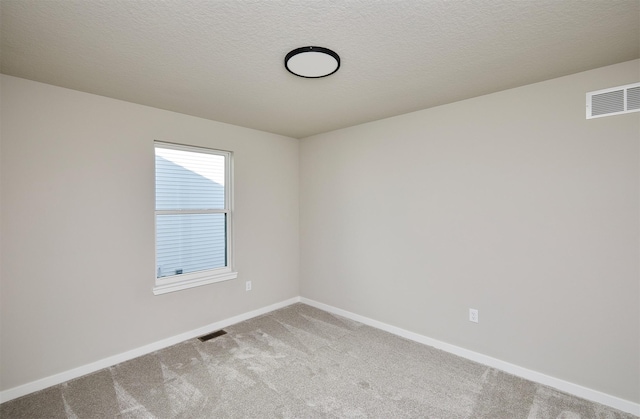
{"x": 247, "y": 285}
{"x": 473, "y": 315}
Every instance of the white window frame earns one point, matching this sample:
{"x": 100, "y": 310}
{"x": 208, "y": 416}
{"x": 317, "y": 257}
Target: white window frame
{"x": 173, "y": 283}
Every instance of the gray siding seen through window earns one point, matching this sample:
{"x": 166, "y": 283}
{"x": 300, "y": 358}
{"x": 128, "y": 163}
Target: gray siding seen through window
{"x": 190, "y": 234}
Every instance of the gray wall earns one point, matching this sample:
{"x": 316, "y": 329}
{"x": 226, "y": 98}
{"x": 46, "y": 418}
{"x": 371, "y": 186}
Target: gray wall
{"x": 77, "y": 193}
{"x": 511, "y": 203}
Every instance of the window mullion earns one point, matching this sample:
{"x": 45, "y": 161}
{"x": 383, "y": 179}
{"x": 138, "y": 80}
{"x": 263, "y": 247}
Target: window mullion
{"x": 192, "y": 211}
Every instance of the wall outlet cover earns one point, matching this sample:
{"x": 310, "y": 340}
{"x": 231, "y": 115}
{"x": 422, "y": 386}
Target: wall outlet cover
{"x": 473, "y": 315}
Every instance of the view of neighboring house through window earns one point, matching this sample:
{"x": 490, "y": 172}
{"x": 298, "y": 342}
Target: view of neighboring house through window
{"x": 193, "y": 217}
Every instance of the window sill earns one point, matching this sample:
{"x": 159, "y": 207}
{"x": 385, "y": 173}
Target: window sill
{"x": 192, "y": 283}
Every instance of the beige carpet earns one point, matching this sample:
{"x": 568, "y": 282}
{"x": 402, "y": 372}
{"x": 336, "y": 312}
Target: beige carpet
{"x": 301, "y": 362}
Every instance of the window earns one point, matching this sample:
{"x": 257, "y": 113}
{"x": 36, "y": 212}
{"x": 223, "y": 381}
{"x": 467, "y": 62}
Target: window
{"x": 193, "y": 217}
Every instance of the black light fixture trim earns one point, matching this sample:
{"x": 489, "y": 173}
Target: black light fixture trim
{"x": 311, "y": 49}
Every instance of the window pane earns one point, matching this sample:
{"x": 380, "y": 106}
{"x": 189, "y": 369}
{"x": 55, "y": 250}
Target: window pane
{"x": 189, "y": 180}
{"x": 189, "y": 243}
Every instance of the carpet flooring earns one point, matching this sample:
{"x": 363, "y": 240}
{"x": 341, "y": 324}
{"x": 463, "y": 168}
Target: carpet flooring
{"x": 301, "y": 362}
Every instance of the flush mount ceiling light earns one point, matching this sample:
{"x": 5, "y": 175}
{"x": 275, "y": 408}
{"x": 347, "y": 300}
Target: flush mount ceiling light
{"x": 312, "y": 62}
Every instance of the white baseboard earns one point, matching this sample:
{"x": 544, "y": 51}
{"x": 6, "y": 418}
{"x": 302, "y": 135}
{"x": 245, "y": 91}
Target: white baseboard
{"x": 568, "y": 387}
{"x": 52, "y": 380}
{"x": 562, "y": 385}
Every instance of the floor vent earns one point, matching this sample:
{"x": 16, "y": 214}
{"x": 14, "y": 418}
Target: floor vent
{"x": 212, "y": 335}
{"x": 613, "y": 101}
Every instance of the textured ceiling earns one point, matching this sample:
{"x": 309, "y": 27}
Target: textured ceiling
{"x": 223, "y": 59}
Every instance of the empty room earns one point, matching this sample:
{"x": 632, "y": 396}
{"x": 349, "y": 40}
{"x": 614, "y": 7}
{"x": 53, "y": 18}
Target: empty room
{"x": 369, "y": 209}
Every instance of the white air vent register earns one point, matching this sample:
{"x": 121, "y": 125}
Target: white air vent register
{"x": 613, "y": 101}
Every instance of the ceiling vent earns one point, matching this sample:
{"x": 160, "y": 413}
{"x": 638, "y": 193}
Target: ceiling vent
{"x": 613, "y": 101}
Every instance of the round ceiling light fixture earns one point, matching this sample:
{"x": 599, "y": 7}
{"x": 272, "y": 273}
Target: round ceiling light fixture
{"x": 312, "y": 62}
